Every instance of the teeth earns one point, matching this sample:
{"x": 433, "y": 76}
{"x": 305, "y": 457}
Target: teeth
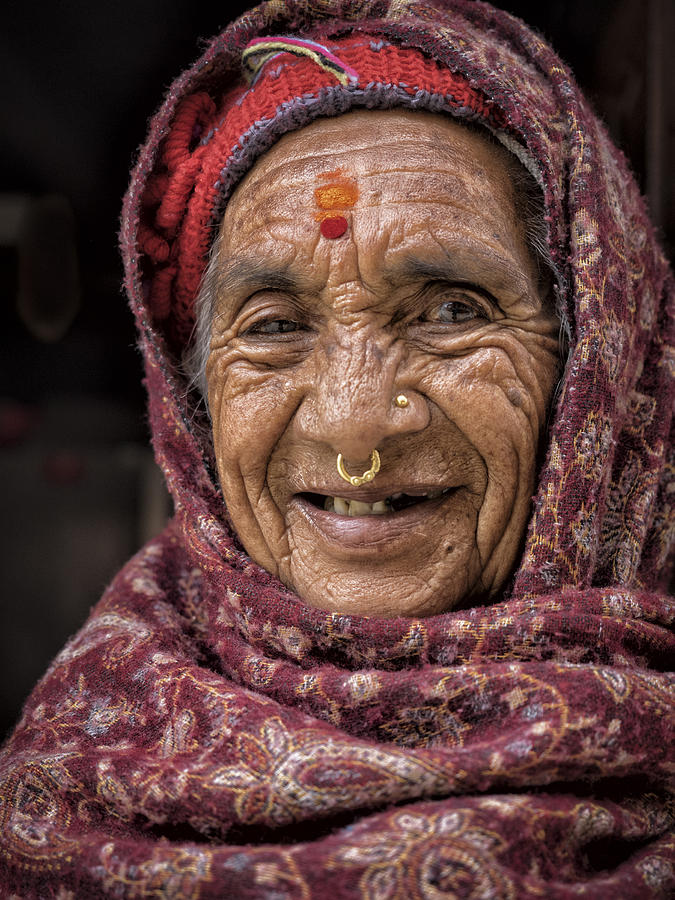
{"x": 355, "y": 507}
{"x": 341, "y": 506}
{"x": 359, "y": 508}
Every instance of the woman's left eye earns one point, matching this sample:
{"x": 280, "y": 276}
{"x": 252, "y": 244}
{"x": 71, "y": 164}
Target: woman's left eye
{"x": 451, "y": 304}
{"x": 458, "y": 311}
{"x": 454, "y": 312}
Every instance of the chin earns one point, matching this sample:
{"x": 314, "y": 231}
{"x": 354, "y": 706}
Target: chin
{"x": 382, "y": 595}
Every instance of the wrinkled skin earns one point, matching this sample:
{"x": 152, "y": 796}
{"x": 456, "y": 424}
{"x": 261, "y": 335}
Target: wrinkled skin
{"x": 432, "y": 291}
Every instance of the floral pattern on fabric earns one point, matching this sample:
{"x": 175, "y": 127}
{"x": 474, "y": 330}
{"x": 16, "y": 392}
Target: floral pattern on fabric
{"x": 208, "y": 735}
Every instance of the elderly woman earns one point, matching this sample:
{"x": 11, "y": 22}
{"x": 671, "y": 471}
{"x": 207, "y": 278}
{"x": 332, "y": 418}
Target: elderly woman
{"x": 391, "y": 281}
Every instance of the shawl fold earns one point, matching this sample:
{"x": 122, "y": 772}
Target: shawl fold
{"x": 207, "y": 735}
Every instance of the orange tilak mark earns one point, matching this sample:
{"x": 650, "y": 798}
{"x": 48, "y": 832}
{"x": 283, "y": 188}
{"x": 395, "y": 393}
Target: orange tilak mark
{"x": 337, "y": 196}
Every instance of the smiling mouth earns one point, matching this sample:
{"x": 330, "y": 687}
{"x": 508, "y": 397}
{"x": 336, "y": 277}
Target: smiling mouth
{"x": 343, "y": 506}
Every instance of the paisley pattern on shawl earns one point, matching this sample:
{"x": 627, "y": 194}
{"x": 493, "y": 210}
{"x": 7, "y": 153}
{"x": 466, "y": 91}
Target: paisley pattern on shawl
{"x": 208, "y": 735}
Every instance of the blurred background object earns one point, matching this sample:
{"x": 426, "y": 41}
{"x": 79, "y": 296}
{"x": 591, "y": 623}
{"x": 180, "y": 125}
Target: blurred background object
{"x": 80, "y": 490}
{"x": 48, "y": 291}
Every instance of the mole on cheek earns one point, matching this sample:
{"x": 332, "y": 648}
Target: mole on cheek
{"x": 515, "y": 397}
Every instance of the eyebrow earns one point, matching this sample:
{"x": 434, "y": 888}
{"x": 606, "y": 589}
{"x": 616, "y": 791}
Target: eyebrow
{"x": 249, "y": 273}
{"x": 412, "y": 268}
{"x": 493, "y": 281}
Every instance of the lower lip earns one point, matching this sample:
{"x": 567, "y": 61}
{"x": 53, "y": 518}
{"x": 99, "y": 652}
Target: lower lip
{"x": 371, "y": 533}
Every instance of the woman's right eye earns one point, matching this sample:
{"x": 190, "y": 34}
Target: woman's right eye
{"x": 275, "y": 326}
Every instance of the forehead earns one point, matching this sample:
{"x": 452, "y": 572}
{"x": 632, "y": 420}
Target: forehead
{"x": 394, "y": 156}
{"x": 409, "y": 184}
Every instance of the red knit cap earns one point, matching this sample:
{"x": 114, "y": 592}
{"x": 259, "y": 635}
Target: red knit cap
{"x": 214, "y": 141}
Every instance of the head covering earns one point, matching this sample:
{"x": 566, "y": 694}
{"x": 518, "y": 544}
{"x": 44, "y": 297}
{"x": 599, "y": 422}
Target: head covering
{"x": 207, "y": 734}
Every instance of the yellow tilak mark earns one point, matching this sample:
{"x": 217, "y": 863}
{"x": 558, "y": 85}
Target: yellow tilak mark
{"x": 336, "y": 196}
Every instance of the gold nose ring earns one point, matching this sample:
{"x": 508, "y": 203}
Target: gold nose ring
{"x": 357, "y": 480}
{"x": 401, "y": 401}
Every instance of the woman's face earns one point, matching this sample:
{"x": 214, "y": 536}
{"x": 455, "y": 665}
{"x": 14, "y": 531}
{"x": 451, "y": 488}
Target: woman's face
{"x": 430, "y": 292}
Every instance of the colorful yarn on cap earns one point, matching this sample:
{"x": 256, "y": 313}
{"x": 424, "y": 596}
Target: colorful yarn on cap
{"x": 261, "y": 50}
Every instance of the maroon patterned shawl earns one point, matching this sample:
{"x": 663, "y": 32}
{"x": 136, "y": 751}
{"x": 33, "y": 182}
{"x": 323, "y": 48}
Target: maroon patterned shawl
{"x": 207, "y": 735}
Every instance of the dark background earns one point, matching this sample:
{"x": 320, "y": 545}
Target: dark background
{"x": 78, "y": 80}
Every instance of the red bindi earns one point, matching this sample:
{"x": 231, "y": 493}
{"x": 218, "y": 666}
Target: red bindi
{"x": 333, "y": 226}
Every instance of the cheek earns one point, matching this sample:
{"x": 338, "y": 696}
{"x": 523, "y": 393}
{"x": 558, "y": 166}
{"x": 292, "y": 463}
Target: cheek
{"x": 517, "y": 374}
{"x": 497, "y": 395}
{"x": 496, "y": 391}
{"x": 248, "y": 415}
{"x": 250, "y": 411}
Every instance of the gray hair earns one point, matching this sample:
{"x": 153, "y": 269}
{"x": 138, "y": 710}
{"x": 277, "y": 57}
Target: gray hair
{"x": 196, "y": 354}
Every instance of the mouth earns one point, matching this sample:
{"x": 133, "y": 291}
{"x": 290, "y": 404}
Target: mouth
{"x": 368, "y": 525}
{"x": 382, "y": 506}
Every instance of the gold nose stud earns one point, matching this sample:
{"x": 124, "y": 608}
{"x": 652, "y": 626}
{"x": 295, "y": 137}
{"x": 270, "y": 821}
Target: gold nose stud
{"x": 401, "y": 401}
{"x": 357, "y": 480}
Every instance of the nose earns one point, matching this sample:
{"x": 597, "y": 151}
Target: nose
{"x": 351, "y": 405}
